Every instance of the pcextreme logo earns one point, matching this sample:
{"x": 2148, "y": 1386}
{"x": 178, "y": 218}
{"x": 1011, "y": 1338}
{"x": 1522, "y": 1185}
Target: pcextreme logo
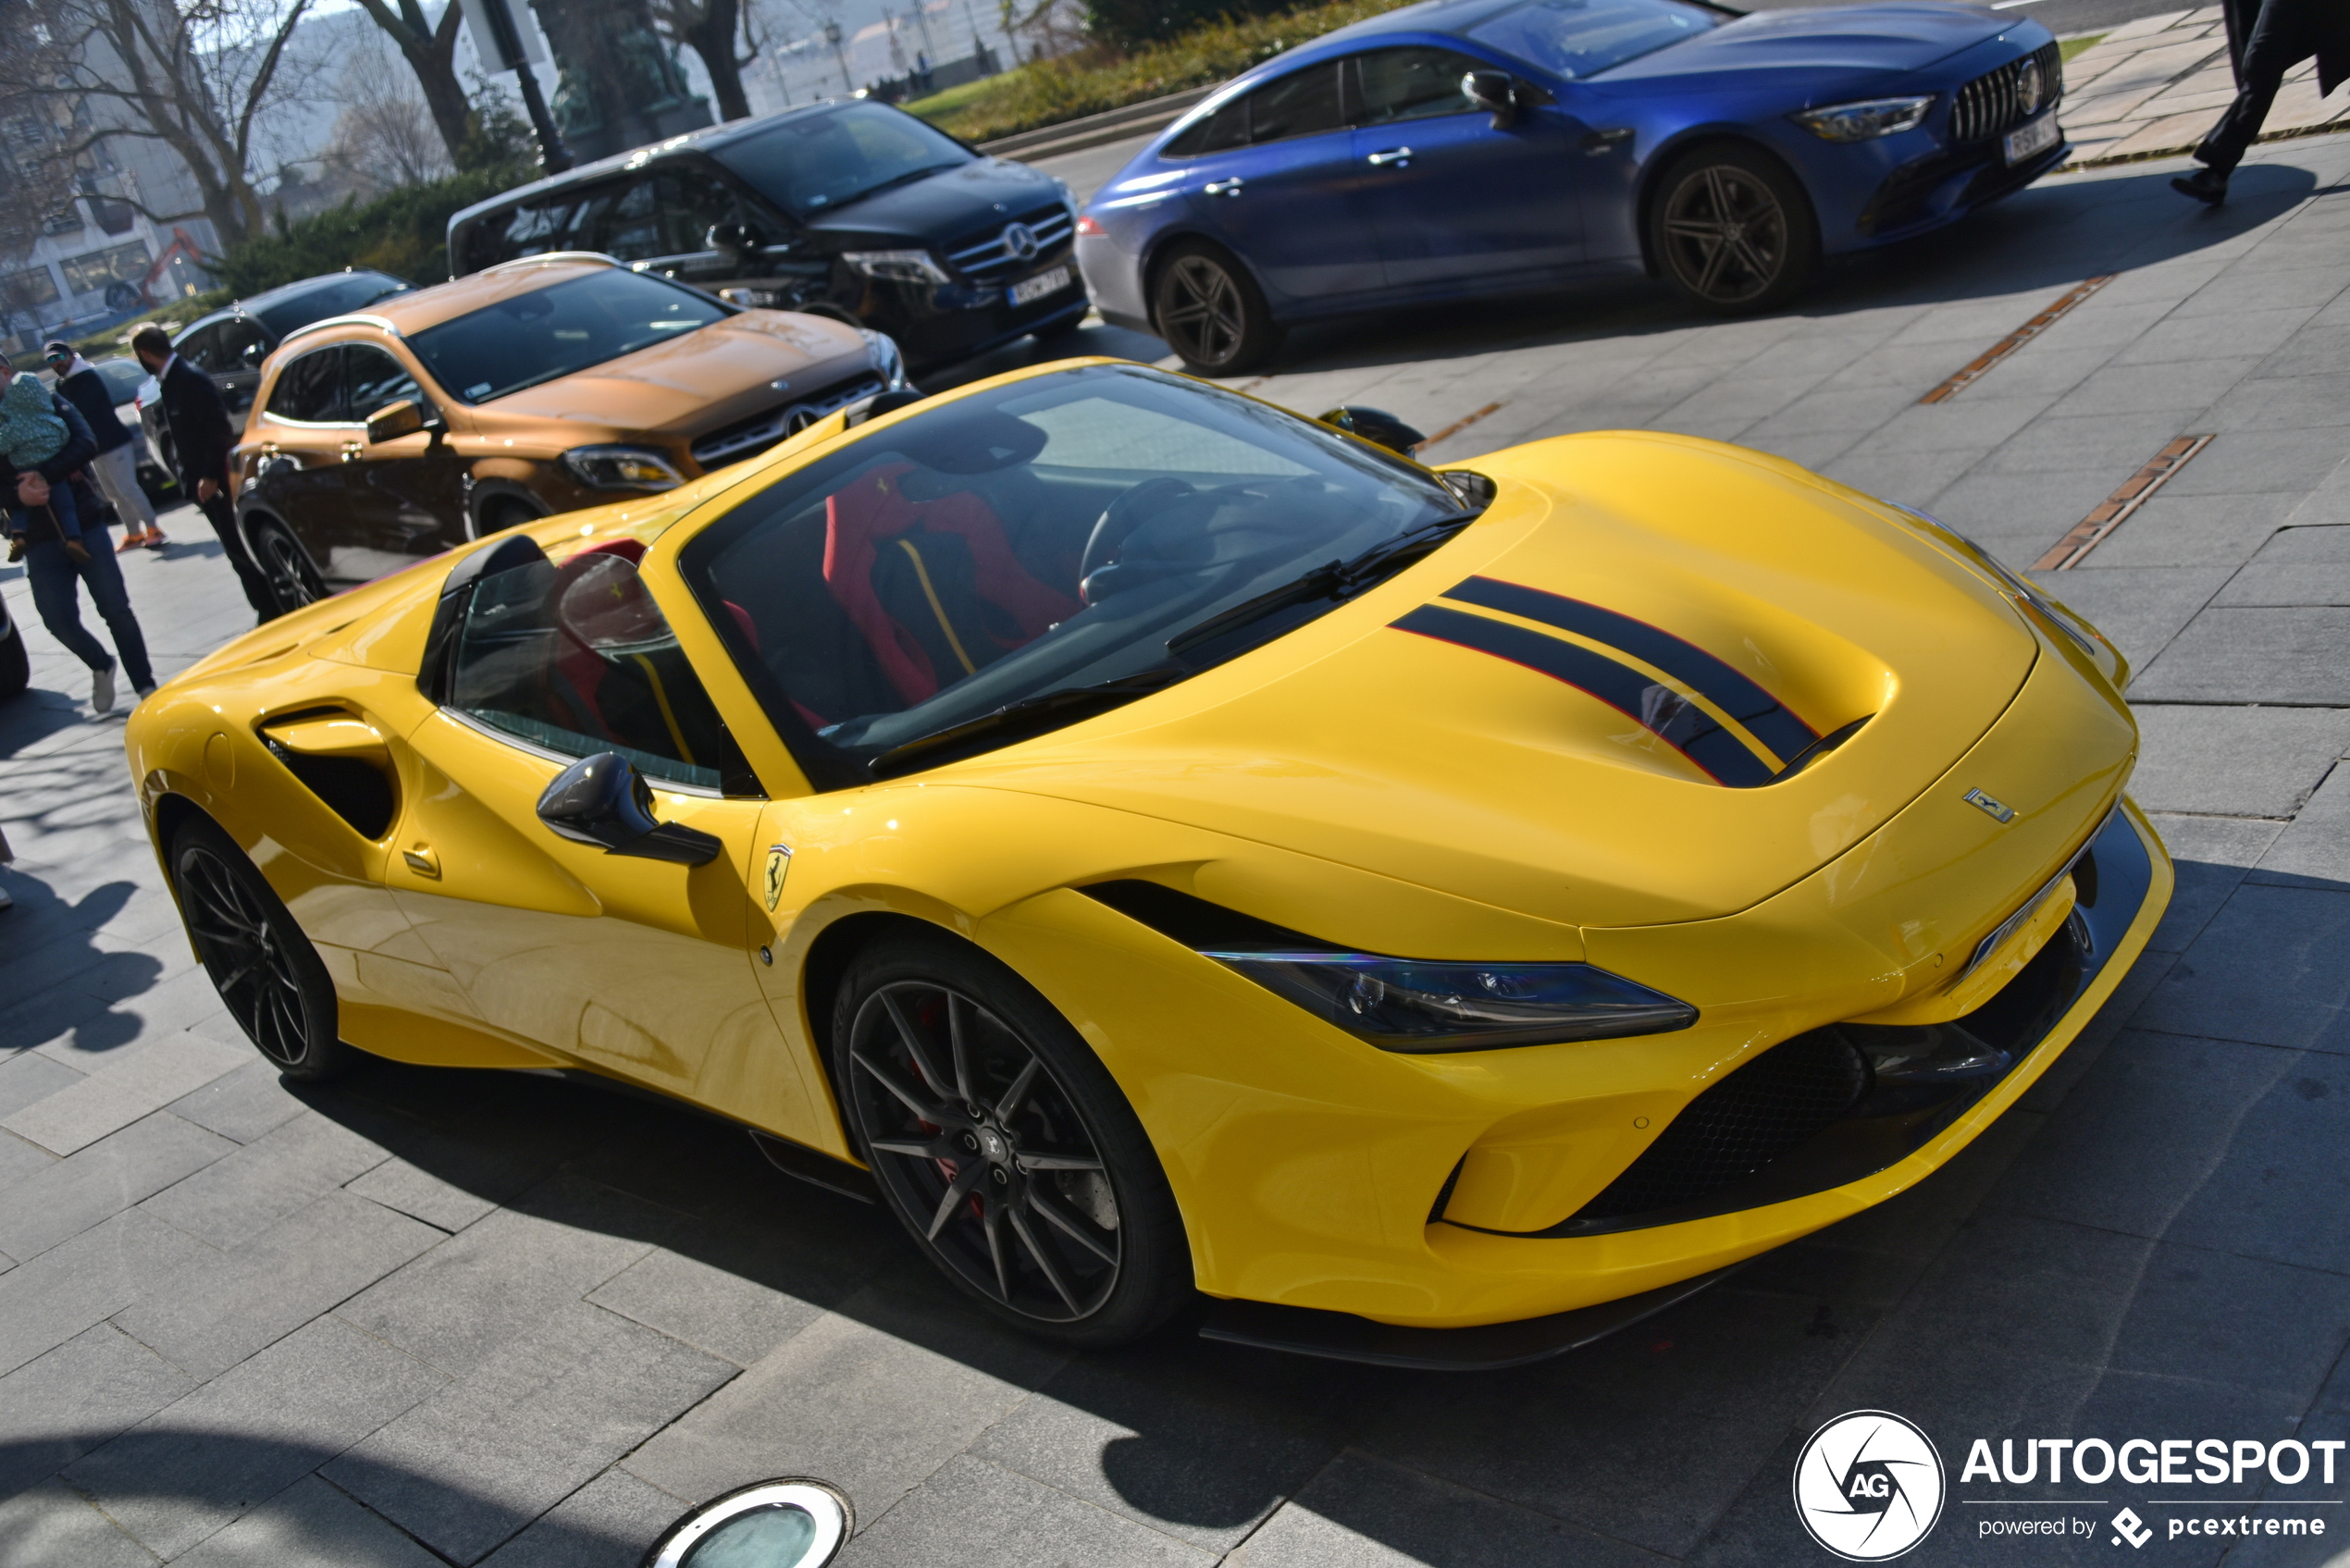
{"x": 1869, "y": 1486}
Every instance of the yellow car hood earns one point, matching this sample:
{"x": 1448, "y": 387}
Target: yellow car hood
{"x": 1434, "y": 729}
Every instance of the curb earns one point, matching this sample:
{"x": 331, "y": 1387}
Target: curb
{"x": 1099, "y": 130}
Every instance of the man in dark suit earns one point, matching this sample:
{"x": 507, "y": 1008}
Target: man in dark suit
{"x": 2266, "y": 39}
{"x": 202, "y": 438}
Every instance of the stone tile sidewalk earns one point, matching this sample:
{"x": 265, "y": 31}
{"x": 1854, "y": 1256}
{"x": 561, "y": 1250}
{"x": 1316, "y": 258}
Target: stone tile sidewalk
{"x": 2153, "y": 86}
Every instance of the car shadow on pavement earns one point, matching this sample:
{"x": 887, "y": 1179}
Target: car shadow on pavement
{"x": 2049, "y": 236}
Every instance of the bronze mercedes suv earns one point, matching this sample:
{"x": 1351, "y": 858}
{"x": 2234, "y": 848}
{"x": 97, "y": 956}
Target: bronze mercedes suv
{"x": 538, "y": 386}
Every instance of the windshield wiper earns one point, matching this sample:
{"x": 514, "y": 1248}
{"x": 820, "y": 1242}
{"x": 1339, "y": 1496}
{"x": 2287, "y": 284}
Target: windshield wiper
{"x": 1336, "y": 580}
{"x": 892, "y": 183}
{"x": 1045, "y": 710}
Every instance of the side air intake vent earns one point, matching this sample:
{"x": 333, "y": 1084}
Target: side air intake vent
{"x": 343, "y": 760}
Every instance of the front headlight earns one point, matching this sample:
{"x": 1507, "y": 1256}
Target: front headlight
{"x": 622, "y": 468}
{"x": 1865, "y": 121}
{"x": 899, "y": 267}
{"x": 887, "y": 362}
{"x": 1419, "y": 1006}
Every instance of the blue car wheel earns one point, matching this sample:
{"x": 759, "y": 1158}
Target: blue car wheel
{"x": 1210, "y": 310}
{"x": 1731, "y": 229}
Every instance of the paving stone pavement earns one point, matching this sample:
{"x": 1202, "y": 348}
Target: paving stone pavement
{"x": 435, "y": 1317}
{"x": 2158, "y": 84}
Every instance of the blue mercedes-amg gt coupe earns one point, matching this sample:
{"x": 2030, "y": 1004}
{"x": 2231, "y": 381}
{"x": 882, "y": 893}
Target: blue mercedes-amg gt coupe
{"x": 1479, "y": 146}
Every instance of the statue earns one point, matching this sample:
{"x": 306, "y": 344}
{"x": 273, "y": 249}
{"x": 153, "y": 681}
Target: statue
{"x": 617, "y": 84}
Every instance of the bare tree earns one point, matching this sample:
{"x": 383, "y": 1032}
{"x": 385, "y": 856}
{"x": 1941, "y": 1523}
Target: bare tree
{"x": 385, "y": 134}
{"x": 709, "y": 28}
{"x": 430, "y": 49}
{"x": 192, "y": 74}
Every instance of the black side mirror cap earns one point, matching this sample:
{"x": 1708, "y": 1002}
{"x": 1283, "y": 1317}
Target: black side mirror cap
{"x": 731, "y": 239}
{"x": 603, "y": 800}
{"x": 1493, "y": 91}
{"x": 1377, "y": 425}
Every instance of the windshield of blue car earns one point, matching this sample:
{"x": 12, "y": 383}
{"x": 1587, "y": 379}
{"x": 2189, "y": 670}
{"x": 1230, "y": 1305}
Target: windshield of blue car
{"x": 335, "y": 296}
{"x": 811, "y": 164}
{"x": 1042, "y": 539}
{"x": 1580, "y": 38}
{"x": 527, "y": 338}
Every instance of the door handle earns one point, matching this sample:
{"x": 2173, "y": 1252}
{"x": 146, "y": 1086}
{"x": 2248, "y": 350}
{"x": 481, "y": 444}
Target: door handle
{"x": 1223, "y": 187}
{"x": 1399, "y": 156}
{"x": 422, "y": 861}
{"x": 351, "y": 450}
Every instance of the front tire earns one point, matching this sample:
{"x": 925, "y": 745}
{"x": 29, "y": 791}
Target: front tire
{"x": 293, "y": 578}
{"x": 1004, "y": 1145}
{"x": 1211, "y": 313}
{"x": 265, "y": 969}
{"x": 1733, "y": 230}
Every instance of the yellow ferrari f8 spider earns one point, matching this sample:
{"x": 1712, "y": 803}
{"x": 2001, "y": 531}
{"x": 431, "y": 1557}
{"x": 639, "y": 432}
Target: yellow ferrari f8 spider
{"x": 1160, "y": 846}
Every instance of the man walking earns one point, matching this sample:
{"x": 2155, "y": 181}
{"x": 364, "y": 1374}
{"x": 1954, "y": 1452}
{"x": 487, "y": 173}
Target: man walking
{"x": 202, "y": 438}
{"x": 2266, "y": 39}
{"x": 115, "y": 467}
{"x": 63, "y": 546}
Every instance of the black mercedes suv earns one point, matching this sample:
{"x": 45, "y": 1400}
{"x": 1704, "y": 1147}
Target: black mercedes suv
{"x": 848, "y": 208}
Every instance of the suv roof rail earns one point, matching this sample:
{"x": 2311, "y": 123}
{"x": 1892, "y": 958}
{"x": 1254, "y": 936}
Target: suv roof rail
{"x": 546, "y": 256}
{"x": 355, "y": 319}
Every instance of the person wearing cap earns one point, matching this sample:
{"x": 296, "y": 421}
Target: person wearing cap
{"x": 115, "y": 466}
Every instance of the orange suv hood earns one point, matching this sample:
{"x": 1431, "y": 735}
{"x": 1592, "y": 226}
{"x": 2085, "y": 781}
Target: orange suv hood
{"x": 726, "y": 371}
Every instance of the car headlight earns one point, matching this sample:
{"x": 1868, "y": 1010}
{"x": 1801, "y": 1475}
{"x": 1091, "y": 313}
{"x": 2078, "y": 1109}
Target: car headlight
{"x": 622, "y": 468}
{"x": 2016, "y": 586}
{"x": 899, "y": 267}
{"x": 1420, "y": 1006}
{"x": 888, "y": 361}
{"x": 1865, "y": 121}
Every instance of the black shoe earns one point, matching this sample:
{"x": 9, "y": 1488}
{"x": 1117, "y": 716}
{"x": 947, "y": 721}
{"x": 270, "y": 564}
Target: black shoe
{"x": 2206, "y": 185}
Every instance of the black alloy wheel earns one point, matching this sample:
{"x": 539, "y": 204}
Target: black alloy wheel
{"x": 1733, "y": 230}
{"x": 1211, "y": 313}
{"x": 293, "y": 578}
{"x": 274, "y": 983}
{"x": 1004, "y": 1146}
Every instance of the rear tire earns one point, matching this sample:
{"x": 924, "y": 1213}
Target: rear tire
{"x": 1003, "y": 1144}
{"x": 294, "y": 579}
{"x": 1733, "y": 230}
{"x": 1211, "y": 312}
{"x": 265, "y": 969}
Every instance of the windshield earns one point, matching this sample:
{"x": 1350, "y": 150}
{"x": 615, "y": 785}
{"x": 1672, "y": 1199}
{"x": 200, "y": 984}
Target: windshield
{"x": 557, "y": 330}
{"x": 1578, "y": 38}
{"x": 1044, "y": 538}
{"x": 339, "y": 296}
{"x": 814, "y": 163}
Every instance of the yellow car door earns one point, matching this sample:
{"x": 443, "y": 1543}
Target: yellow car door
{"x": 635, "y": 965}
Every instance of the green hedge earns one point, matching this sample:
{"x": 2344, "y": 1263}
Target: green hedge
{"x": 404, "y": 232}
{"x": 1048, "y": 91}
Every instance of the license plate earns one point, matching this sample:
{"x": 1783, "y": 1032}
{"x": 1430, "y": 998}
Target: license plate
{"x": 1043, "y": 283}
{"x": 2037, "y": 137}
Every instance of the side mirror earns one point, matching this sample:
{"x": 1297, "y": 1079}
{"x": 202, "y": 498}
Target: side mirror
{"x": 731, "y": 239}
{"x": 605, "y": 801}
{"x": 1376, "y": 425}
{"x": 1492, "y": 91}
{"x": 395, "y": 420}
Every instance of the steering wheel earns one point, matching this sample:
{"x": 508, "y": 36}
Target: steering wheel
{"x": 1122, "y": 517}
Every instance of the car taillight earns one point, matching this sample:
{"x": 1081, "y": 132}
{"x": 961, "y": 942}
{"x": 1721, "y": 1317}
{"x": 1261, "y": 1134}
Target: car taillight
{"x": 1086, "y": 226}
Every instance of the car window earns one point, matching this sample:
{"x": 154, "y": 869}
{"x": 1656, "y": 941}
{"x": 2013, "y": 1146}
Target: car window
{"x": 335, "y": 296}
{"x": 122, "y": 377}
{"x": 1576, "y": 38}
{"x": 697, "y": 201}
{"x": 310, "y": 389}
{"x": 238, "y": 345}
{"x": 201, "y": 348}
{"x": 1051, "y": 534}
{"x": 1301, "y": 103}
{"x": 633, "y": 225}
{"x": 527, "y": 338}
{"x": 1415, "y": 84}
{"x": 577, "y": 658}
{"x": 375, "y": 380}
{"x": 1220, "y": 132}
{"x": 559, "y": 220}
{"x": 814, "y": 163}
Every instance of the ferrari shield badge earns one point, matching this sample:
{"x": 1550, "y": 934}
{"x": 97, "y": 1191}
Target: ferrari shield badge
{"x": 778, "y": 867}
{"x": 1997, "y": 811}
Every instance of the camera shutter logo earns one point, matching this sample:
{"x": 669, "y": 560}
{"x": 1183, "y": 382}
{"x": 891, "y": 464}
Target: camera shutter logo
{"x": 1869, "y": 1486}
